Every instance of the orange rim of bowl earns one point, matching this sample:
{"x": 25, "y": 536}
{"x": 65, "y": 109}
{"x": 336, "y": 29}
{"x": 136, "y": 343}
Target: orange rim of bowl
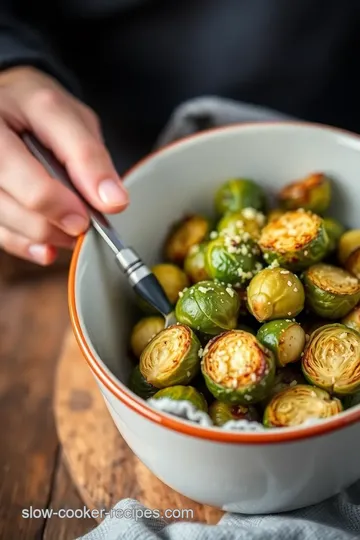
{"x": 172, "y": 423}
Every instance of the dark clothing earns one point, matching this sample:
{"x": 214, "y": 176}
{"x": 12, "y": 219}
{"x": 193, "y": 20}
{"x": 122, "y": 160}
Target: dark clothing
{"x": 134, "y": 61}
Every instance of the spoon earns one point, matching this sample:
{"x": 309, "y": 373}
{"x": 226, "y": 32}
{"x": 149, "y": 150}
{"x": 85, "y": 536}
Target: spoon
{"x": 139, "y": 276}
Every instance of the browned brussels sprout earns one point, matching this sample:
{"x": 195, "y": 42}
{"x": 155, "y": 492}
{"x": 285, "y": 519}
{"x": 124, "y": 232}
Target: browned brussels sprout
{"x": 295, "y": 241}
{"x": 194, "y": 264}
{"x": 236, "y": 194}
{"x": 331, "y": 359}
{"x": 285, "y": 338}
{"x": 311, "y": 193}
{"x": 183, "y": 393}
{"x": 221, "y": 413}
{"x": 172, "y": 279}
{"x": 275, "y": 293}
{"x": 247, "y": 220}
{"x": 139, "y": 385}
{"x": 172, "y": 357}
{"x": 349, "y": 251}
{"x": 298, "y": 404}
{"x": 143, "y": 332}
{"x": 185, "y": 234}
{"x": 237, "y": 369}
{"x": 352, "y": 319}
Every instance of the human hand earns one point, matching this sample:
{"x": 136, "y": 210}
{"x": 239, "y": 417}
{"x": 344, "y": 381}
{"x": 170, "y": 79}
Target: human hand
{"x": 37, "y": 213}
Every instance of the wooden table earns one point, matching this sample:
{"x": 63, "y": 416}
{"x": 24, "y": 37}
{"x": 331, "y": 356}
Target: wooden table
{"x": 33, "y": 319}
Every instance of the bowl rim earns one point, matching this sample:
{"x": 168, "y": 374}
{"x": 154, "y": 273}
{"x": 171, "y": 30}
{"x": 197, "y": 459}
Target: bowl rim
{"x": 173, "y": 423}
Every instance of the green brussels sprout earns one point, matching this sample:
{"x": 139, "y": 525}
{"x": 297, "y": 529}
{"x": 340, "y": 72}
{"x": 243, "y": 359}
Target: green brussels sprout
{"x": 275, "y": 213}
{"x": 311, "y": 193}
{"x": 286, "y": 377}
{"x": 232, "y": 259}
{"x": 247, "y": 220}
{"x": 334, "y": 230}
{"x": 331, "y": 292}
{"x": 275, "y": 293}
{"x": 194, "y": 264}
{"x": 183, "y": 235}
{"x": 349, "y": 251}
{"x": 172, "y": 357}
{"x": 351, "y": 401}
{"x": 352, "y": 319}
{"x": 331, "y": 359}
{"x": 298, "y": 404}
{"x": 221, "y": 413}
{"x": 139, "y": 385}
{"x": 143, "y": 332}
{"x": 295, "y": 240}
{"x": 285, "y": 338}
{"x": 172, "y": 279}
{"x": 237, "y": 369}
{"x": 208, "y": 307}
{"x": 236, "y": 194}
{"x": 183, "y": 393}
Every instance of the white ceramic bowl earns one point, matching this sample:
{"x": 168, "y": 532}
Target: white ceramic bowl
{"x": 241, "y": 472}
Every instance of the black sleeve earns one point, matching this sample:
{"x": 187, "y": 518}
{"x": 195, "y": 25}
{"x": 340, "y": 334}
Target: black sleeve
{"x": 22, "y": 45}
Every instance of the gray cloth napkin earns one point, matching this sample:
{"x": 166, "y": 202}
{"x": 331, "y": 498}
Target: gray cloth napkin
{"x": 337, "y": 518}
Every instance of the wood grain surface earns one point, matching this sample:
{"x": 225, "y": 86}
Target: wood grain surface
{"x": 101, "y": 464}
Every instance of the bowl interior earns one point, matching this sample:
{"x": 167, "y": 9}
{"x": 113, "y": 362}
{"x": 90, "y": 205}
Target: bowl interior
{"x": 182, "y": 179}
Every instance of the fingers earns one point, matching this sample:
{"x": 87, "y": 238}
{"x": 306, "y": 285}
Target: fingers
{"x": 26, "y": 181}
{"x": 33, "y": 226}
{"x": 21, "y": 247}
{"x": 77, "y": 143}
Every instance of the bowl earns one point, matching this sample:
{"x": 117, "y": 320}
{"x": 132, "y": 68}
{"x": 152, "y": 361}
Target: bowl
{"x": 273, "y": 471}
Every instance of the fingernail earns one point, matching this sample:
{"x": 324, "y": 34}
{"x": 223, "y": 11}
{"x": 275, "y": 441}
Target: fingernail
{"x": 39, "y": 253}
{"x": 74, "y": 224}
{"x": 113, "y": 193}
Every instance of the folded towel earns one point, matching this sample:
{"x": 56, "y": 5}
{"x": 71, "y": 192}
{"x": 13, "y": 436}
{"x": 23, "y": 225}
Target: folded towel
{"x": 337, "y": 518}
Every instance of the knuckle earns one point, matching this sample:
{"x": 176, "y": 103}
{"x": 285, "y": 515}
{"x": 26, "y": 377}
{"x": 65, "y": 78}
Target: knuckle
{"x": 90, "y": 151}
{"x": 38, "y": 199}
{"x": 46, "y": 98}
{"x": 42, "y": 232}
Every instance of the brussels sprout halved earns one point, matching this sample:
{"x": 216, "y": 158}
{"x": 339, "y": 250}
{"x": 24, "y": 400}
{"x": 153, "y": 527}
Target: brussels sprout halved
{"x": 194, "y": 264}
{"x": 298, "y": 404}
{"x": 331, "y": 359}
{"x": 221, "y": 413}
{"x": 295, "y": 240}
{"x": 275, "y": 293}
{"x": 172, "y": 279}
{"x": 349, "y": 251}
{"x": 143, "y": 332}
{"x": 334, "y": 230}
{"x": 208, "y": 307}
{"x": 172, "y": 357}
{"x": 285, "y": 338}
{"x": 330, "y": 292}
{"x": 237, "y": 369}
{"x": 311, "y": 193}
{"x": 247, "y": 220}
{"x": 232, "y": 259}
{"x": 352, "y": 319}
{"x": 183, "y": 393}
{"x": 185, "y": 234}
{"x": 236, "y": 194}
{"x": 286, "y": 377}
{"x": 139, "y": 385}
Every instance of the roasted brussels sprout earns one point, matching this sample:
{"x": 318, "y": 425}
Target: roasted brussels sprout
{"x": 237, "y": 369}
{"x": 331, "y": 359}
{"x": 352, "y": 319}
{"x": 143, "y": 332}
{"x": 221, "y": 413}
{"x": 194, "y": 264}
{"x": 349, "y": 251}
{"x": 183, "y": 393}
{"x": 172, "y": 279}
{"x": 172, "y": 357}
{"x": 275, "y": 293}
{"x": 285, "y": 338}
{"x": 334, "y": 230}
{"x": 247, "y": 220}
{"x": 295, "y": 240}
{"x": 311, "y": 193}
{"x": 236, "y": 194}
{"x": 231, "y": 259}
{"x": 286, "y": 377}
{"x": 351, "y": 401}
{"x": 275, "y": 213}
{"x": 185, "y": 234}
{"x": 331, "y": 292}
{"x": 298, "y": 404}
{"x": 139, "y": 385}
{"x": 208, "y": 307}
